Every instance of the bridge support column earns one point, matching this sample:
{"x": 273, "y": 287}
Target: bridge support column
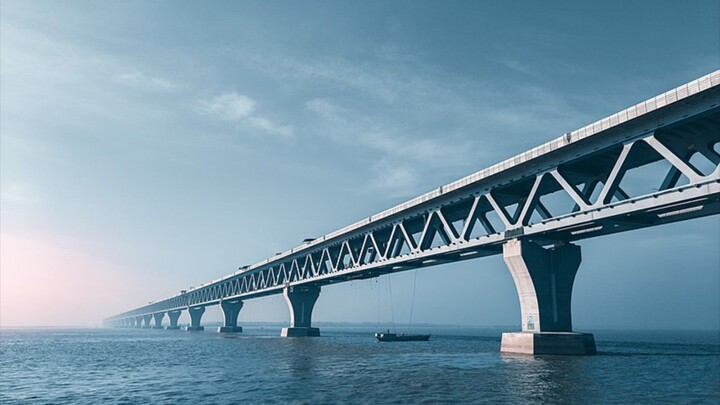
{"x": 174, "y": 316}
{"x": 195, "y": 314}
{"x": 231, "y": 310}
{"x": 138, "y": 321}
{"x": 158, "y": 316}
{"x": 301, "y": 300}
{"x": 544, "y": 280}
{"x": 146, "y": 319}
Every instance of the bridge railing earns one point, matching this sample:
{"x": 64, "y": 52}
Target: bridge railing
{"x": 673, "y": 96}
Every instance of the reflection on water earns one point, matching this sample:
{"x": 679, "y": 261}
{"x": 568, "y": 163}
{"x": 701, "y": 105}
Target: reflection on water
{"x": 549, "y": 378}
{"x": 347, "y": 365}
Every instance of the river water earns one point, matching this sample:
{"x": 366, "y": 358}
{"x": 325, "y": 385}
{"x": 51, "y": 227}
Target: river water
{"x": 347, "y": 365}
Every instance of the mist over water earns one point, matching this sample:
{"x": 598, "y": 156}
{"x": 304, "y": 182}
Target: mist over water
{"x": 346, "y": 364}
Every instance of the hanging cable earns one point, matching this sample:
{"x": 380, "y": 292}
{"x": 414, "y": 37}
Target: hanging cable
{"x": 379, "y": 317}
{"x": 412, "y": 302}
{"x": 392, "y": 310}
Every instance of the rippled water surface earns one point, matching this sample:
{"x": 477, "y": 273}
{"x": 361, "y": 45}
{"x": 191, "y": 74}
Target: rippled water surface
{"x": 135, "y": 366}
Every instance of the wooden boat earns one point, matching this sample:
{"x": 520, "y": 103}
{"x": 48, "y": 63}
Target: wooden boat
{"x": 394, "y": 337}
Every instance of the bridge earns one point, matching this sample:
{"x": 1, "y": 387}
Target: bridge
{"x": 654, "y": 163}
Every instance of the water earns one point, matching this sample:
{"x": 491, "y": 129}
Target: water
{"x": 131, "y": 366}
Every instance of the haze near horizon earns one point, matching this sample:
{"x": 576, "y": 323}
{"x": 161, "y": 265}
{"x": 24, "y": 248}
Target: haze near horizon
{"x": 149, "y": 147}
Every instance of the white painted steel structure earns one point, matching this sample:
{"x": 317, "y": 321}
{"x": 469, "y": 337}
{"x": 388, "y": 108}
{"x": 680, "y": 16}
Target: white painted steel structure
{"x": 515, "y": 199}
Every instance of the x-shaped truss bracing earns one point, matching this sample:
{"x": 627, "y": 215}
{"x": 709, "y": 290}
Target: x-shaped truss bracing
{"x": 650, "y": 170}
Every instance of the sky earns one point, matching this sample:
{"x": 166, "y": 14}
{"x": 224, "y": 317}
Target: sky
{"x": 146, "y": 147}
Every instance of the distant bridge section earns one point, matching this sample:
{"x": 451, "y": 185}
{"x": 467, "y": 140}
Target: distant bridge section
{"x": 654, "y": 163}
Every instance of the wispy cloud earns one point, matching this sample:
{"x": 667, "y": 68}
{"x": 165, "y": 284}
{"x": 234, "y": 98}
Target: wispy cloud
{"x": 384, "y": 76}
{"x": 398, "y": 179}
{"x": 435, "y": 123}
{"x": 405, "y": 84}
{"x": 140, "y": 80}
{"x": 516, "y": 65}
{"x": 400, "y": 157}
{"x": 372, "y": 132}
{"x": 241, "y": 110}
{"x": 75, "y": 84}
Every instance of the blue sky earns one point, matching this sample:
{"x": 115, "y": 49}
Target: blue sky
{"x": 150, "y": 146}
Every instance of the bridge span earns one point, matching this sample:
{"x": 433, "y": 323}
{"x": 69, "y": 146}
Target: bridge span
{"x": 654, "y": 163}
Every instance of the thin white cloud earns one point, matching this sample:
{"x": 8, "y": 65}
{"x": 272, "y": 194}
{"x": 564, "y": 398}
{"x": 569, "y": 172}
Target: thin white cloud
{"x": 351, "y": 126}
{"x": 77, "y": 85}
{"x": 479, "y": 106}
{"x": 394, "y": 178}
{"x": 324, "y": 108}
{"x": 241, "y": 110}
{"x": 422, "y": 118}
{"x": 400, "y": 158}
{"x": 516, "y": 65}
{"x": 386, "y": 80}
{"x": 231, "y": 107}
{"x": 139, "y": 80}
{"x": 264, "y": 124}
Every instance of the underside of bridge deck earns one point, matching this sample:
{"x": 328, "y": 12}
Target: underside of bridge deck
{"x": 654, "y": 163}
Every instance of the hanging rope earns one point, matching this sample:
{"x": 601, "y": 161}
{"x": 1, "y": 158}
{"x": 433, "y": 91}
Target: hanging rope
{"x": 392, "y": 310}
{"x": 379, "y": 314}
{"x": 412, "y": 302}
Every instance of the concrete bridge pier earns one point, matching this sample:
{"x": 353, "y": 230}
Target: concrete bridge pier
{"x": 138, "y": 321}
{"x": 544, "y": 280}
{"x": 146, "y": 319}
{"x": 173, "y": 316}
{"x": 158, "y": 316}
{"x": 301, "y": 300}
{"x": 195, "y": 314}
{"x": 231, "y": 310}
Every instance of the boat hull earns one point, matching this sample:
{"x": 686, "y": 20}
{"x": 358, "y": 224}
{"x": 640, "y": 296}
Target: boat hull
{"x": 392, "y": 337}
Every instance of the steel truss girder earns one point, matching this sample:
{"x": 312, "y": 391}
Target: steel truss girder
{"x": 381, "y": 249}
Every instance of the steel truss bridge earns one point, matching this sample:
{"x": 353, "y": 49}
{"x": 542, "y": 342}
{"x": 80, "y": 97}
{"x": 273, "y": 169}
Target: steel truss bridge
{"x": 654, "y": 163}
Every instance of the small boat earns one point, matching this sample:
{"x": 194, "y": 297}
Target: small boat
{"x": 394, "y": 337}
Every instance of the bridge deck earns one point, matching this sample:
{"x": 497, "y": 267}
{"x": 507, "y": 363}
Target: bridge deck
{"x": 640, "y": 135}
